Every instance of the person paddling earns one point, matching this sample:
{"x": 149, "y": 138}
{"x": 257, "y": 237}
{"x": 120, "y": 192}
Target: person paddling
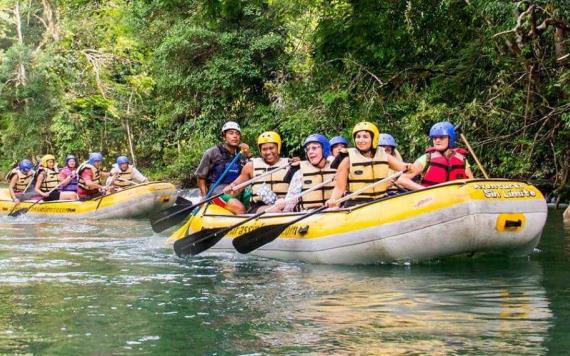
{"x": 388, "y": 144}
{"x": 90, "y": 184}
{"x": 265, "y": 191}
{"x": 70, "y": 170}
{"x": 48, "y": 183}
{"x": 313, "y": 171}
{"x": 442, "y": 162}
{"x": 20, "y": 178}
{"x": 364, "y": 164}
{"x": 124, "y": 174}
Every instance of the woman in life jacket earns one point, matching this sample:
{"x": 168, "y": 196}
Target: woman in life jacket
{"x": 124, "y": 174}
{"x": 442, "y": 162}
{"x": 388, "y": 144}
{"x": 20, "y": 179}
{"x": 70, "y": 170}
{"x": 364, "y": 164}
{"x": 314, "y": 170}
{"x": 91, "y": 177}
{"x": 266, "y": 191}
{"x": 337, "y": 144}
{"x": 48, "y": 183}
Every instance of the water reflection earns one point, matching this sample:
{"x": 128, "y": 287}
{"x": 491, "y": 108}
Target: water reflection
{"x": 114, "y": 287}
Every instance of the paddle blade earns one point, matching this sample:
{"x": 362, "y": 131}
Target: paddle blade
{"x": 198, "y": 241}
{"x": 256, "y": 238}
{"x": 18, "y": 212}
{"x": 170, "y": 217}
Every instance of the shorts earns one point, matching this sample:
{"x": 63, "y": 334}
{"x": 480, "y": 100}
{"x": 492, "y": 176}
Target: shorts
{"x": 244, "y": 197}
{"x": 54, "y": 195}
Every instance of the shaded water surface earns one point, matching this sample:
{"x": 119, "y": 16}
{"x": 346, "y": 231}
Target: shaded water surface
{"x": 114, "y": 287}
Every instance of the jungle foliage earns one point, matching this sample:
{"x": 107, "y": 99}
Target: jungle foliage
{"x": 157, "y": 78}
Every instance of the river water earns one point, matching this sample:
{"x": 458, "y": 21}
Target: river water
{"x": 114, "y": 287}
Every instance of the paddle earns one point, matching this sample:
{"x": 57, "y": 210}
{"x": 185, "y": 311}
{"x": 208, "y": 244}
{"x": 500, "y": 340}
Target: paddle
{"x": 256, "y": 238}
{"x": 25, "y": 210}
{"x": 175, "y": 214}
{"x": 474, "y": 156}
{"x": 206, "y": 238}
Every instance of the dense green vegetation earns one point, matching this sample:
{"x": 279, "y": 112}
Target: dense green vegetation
{"x": 157, "y": 78}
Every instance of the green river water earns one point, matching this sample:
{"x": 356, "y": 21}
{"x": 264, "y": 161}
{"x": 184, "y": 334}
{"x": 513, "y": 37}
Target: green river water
{"x": 114, "y": 287}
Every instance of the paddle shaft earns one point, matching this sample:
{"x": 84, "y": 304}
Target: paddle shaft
{"x": 474, "y": 156}
{"x": 253, "y": 217}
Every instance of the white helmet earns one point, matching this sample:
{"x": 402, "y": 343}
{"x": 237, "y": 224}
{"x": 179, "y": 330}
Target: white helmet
{"x": 231, "y": 125}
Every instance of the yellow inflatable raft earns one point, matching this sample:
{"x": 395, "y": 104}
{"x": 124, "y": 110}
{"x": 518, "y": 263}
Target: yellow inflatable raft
{"x": 137, "y": 201}
{"x": 462, "y": 217}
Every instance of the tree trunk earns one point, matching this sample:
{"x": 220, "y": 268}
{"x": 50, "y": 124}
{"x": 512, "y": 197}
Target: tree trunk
{"x": 21, "y": 75}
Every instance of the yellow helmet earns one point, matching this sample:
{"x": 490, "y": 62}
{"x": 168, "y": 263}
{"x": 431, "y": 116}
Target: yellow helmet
{"x": 47, "y": 158}
{"x": 370, "y": 127}
{"x": 270, "y": 137}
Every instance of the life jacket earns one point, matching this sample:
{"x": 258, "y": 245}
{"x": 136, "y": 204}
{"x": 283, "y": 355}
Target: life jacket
{"x": 72, "y": 185}
{"x": 312, "y": 176}
{"x": 275, "y": 181}
{"x": 220, "y": 167}
{"x": 440, "y": 169}
{"x": 96, "y": 177}
{"x": 364, "y": 171}
{"x": 23, "y": 179}
{"x": 123, "y": 178}
{"x": 51, "y": 179}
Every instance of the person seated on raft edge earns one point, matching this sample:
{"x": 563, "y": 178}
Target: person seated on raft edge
{"x": 20, "y": 177}
{"x": 388, "y": 143}
{"x": 265, "y": 192}
{"x": 70, "y": 170}
{"x": 124, "y": 174}
{"x": 337, "y": 144}
{"x": 217, "y": 160}
{"x": 442, "y": 162}
{"x": 313, "y": 171}
{"x": 91, "y": 177}
{"x": 47, "y": 183}
{"x": 364, "y": 165}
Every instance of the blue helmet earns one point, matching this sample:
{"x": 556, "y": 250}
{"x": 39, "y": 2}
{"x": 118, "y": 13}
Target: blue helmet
{"x": 387, "y": 140}
{"x": 94, "y": 157}
{"x": 69, "y": 158}
{"x": 25, "y": 165}
{"x": 122, "y": 159}
{"x": 444, "y": 128}
{"x": 338, "y": 139}
{"x": 319, "y": 139}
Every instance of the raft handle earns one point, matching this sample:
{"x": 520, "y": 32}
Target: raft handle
{"x": 510, "y": 224}
{"x": 303, "y": 230}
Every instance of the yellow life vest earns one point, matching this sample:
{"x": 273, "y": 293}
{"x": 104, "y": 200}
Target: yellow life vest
{"x": 51, "y": 179}
{"x": 275, "y": 181}
{"x": 96, "y": 176}
{"x": 312, "y": 176}
{"x": 23, "y": 179}
{"x": 123, "y": 178}
{"x": 364, "y": 171}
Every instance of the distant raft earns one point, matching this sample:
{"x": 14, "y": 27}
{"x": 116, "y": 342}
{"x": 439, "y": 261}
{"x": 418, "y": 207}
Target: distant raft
{"x": 136, "y": 201}
{"x": 465, "y": 217}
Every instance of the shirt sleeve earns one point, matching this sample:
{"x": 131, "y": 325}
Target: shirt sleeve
{"x": 295, "y": 188}
{"x": 205, "y": 164}
{"x": 422, "y": 161}
{"x": 138, "y": 176}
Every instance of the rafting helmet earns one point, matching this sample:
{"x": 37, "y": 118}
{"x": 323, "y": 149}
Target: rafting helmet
{"x": 69, "y": 158}
{"x": 94, "y": 157}
{"x": 443, "y": 128}
{"x": 47, "y": 158}
{"x": 370, "y": 127}
{"x": 25, "y": 165}
{"x": 387, "y": 140}
{"x": 338, "y": 139}
{"x": 269, "y": 137}
{"x": 230, "y": 125}
{"x": 122, "y": 160}
{"x": 318, "y": 138}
